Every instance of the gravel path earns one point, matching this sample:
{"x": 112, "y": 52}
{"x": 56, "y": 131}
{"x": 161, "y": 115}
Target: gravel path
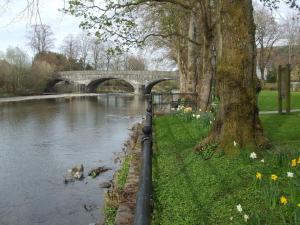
{"x": 276, "y": 112}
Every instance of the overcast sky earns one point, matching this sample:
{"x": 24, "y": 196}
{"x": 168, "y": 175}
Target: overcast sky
{"x": 13, "y": 27}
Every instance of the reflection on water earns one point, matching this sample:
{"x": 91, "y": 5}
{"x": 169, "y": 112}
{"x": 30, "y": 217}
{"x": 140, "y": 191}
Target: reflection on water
{"x": 40, "y": 140}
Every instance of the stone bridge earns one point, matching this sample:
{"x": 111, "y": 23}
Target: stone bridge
{"x": 88, "y": 80}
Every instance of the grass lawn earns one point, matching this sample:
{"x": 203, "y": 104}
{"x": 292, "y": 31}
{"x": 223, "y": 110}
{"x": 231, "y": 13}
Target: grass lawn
{"x": 191, "y": 190}
{"x": 268, "y": 100}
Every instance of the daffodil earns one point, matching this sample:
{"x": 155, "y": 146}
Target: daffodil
{"x": 298, "y": 160}
{"x": 283, "y": 200}
{"x": 253, "y": 155}
{"x": 262, "y": 160}
{"x": 274, "y": 177}
{"x": 294, "y": 162}
{"x": 290, "y": 174}
{"x": 298, "y": 204}
{"x": 246, "y": 218}
{"x": 188, "y": 110}
{"x": 234, "y": 143}
{"x": 258, "y": 175}
{"x": 239, "y": 208}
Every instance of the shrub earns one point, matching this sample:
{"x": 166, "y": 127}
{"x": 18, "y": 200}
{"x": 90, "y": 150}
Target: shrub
{"x": 272, "y": 76}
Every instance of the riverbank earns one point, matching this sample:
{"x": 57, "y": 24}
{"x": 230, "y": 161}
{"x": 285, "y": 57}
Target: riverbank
{"x": 41, "y": 97}
{"x": 201, "y": 188}
{"x": 121, "y": 197}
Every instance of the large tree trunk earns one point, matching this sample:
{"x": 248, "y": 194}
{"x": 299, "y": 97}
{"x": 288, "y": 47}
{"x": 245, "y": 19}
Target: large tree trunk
{"x": 192, "y": 78}
{"x": 206, "y": 78}
{"x": 237, "y": 119}
{"x": 205, "y": 81}
{"x": 182, "y": 67}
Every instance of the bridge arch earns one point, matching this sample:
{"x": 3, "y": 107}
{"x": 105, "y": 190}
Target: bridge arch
{"x": 92, "y": 86}
{"x": 149, "y": 87}
{"x": 50, "y": 85}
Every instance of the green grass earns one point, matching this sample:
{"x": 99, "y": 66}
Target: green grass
{"x": 189, "y": 190}
{"x": 110, "y": 211}
{"x": 268, "y": 100}
{"x": 282, "y": 129}
{"x": 123, "y": 172}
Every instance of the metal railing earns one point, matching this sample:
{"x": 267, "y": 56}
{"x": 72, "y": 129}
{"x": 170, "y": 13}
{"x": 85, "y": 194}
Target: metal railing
{"x": 166, "y": 103}
{"x": 172, "y": 100}
{"x": 143, "y": 202}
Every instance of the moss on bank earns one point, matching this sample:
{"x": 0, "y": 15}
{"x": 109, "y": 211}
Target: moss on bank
{"x": 110, "y": 210}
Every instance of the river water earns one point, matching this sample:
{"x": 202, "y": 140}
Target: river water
{"x": 41, "y": 139}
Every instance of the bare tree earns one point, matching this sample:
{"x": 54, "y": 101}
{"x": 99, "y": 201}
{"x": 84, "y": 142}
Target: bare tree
{"x": 291, "y": 34}
{"x": 83, "y": 47}
{"x": 19, "y": 63}
{"x": 31, "y": 11}
{"x": 41, "y": 38}
{"x": 267, "y": 34}
{"x": 95, "y": 48}
{"x": 70, "y": 47}
{"x": 135, "y": 63}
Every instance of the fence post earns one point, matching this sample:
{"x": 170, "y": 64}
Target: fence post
{"x": 288, "y": 89}
{"x": 279, "y": 83}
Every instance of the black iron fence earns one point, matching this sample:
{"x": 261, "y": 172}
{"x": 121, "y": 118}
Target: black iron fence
{"x": 166, "y": 103}
{"x": 143, "y": 206}
{"x": 158, "y": 103}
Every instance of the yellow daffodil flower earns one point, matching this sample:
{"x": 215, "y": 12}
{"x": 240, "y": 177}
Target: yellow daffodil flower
{"x": 258, "y": 175}
{"x": 298, "y": 160}
{"x": 188, "y": 110}
{"x": 294, "y": 162}
{"x": 274, "y": 177}
{"x": 298, "y": 205}
{"x": 283, "y": 200}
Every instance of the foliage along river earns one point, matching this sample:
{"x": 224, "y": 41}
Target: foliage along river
{"x": 41, "y": 139}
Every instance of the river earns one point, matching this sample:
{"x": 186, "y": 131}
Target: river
{"x": 41, "y": 139}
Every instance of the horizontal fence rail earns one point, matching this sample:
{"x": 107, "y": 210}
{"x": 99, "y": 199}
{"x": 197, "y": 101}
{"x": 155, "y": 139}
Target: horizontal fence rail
{"x": 143, "y": 203}
{"x": 166, "y": 103}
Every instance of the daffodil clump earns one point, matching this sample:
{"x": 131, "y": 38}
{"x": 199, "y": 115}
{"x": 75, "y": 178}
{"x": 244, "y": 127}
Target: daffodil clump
{"x": 281, "y": 190}
{"x": 189, "y": 114}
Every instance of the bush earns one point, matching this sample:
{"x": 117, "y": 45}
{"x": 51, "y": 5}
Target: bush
{"x": 272, "y": 76}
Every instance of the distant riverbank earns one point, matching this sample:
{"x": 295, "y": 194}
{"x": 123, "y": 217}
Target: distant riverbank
{"x": 39, "y": 97}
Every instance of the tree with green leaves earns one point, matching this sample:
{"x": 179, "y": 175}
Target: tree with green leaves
{"x": 228, "y": 26}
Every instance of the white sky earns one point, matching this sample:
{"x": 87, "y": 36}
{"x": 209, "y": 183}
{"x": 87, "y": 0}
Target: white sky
{"x": 13, "y": 28}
